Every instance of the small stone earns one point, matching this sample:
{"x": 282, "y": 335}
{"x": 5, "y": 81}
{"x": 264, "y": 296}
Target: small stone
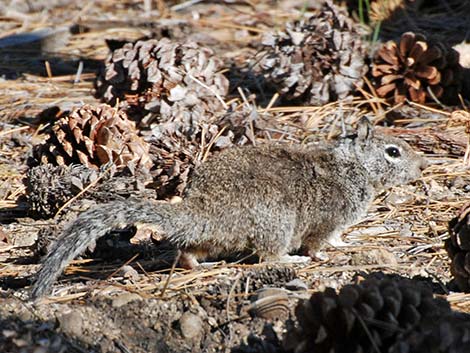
{"x": 71, "y": 323}
{"x": 212, "y": 321}
{"x": 190, "y": 325}
{"x": 374, "y": 256}
{"x": 9, "y": 333}
{"x": 20, "y": 342}
{"x": 124, "y": 299}
{"x": 40, "y": 350}
{"x": 129, "y": 272}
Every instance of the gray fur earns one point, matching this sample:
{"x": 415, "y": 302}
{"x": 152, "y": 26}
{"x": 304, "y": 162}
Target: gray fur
{"x": 271, "y": 199}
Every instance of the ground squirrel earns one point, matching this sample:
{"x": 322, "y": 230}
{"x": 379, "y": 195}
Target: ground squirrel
{"x": 269, "y": 199}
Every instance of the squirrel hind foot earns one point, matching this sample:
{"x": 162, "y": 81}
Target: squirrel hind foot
{"x": 294, "y": 259}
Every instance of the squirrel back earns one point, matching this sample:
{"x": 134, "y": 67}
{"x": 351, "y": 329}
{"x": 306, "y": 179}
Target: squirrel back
{"x": 269, "y": 199}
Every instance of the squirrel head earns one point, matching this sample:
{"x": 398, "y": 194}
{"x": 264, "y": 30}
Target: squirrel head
{"x": 388, "y": 160}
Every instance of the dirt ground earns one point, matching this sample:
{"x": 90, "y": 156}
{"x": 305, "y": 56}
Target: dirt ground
{"x": 123, "y": 298}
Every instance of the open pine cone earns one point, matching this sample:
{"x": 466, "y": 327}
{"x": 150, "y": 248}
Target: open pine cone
{"x": 94, "y": 136}
{"x": 317, "y": 59}
{"x": 368, "y": 317}
{"x": 416, "y": 69}
{"x": 458, "y": 248}
{"x": 175, "y": 83}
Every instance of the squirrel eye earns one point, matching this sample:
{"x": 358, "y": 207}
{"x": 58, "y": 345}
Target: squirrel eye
{"x": 393, "y": 152}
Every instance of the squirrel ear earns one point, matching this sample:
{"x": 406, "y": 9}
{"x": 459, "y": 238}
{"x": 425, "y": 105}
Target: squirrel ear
{"x": 365, "y": 130}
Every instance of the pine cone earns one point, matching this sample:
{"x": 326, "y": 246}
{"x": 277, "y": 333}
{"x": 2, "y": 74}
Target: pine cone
{"x": 175, "y": 82}
{"x": 451, "y": 334}
{"x": 384, "y": 10}
{"x": 268, "y": 298}
{"x": 267, "y": 276}
{"x": 368, "y": 317}
{"x": 414, "y": 67}
{"x": 458, "y": 248}
{"x": 94, "y": 136}
{"x": 380, "y": 10}
{"x": 49, "y": 187}
{"x": 317, "y": 59}
{"x": 250, "y": 283}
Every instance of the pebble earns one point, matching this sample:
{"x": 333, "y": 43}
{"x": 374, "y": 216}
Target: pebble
{"x": 374, "y": 256}
{"x": 128, "y": 272}
{"x": 190, "y": 325}
{"x": 71, "y": 323}
{"x": 124, "y": 299}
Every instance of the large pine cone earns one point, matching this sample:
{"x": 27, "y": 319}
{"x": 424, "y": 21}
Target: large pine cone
{"x": 416, "y": 69}
{"x": 180, "y": 84}
{"x": 368, "y": 317}
{"x": 317, "y": 59}
{"x": 458, "y": 248}
{"x": 94, "y": 136}
{"x": 451, "y": 334}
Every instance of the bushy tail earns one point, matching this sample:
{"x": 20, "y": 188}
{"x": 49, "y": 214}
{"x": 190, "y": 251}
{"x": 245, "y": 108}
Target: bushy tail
{"x": 92, "y": 225}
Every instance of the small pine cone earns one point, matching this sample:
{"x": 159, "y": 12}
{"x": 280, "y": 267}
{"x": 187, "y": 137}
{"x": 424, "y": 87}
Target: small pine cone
{"x": 267, "y": 276}
{"x": 368, "y": 317}
{"x": 416, "y": 69}
{"x": 94, "y": 136}
{"x": 49, "y": 187}
{"x": 173, "y": 81}
{"x": 317, "y": 59}
{"x": 458, "y": 248}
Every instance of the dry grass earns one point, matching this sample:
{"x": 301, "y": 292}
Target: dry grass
{"x": 413, "y": 219}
